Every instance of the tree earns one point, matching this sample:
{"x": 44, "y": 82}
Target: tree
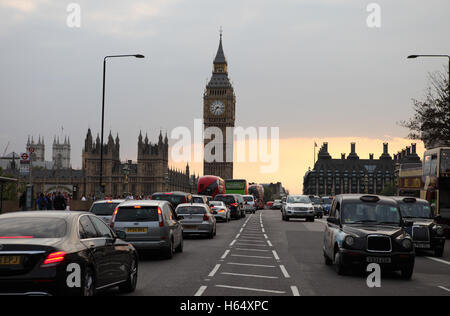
{"x": 431, "y": 120}
{"x": 389, "y": 190}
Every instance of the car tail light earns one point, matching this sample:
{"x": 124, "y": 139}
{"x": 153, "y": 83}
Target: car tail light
{"x": 17, "y": 237}
{"x": 206, "y": 217}
{"x": 160, "y": 218}
{"x": 234, "y": 204}
{"x": 111, "y": 223}
{"x": 53, "y": 259}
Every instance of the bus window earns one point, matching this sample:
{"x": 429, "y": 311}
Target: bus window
{"x": 427, "y": 166}
{"x": 434, "y": 166}
{"x": 445, "y": 161}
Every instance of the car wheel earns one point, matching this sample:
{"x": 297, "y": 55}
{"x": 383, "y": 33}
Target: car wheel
{"x": 168, "y": 253}
{"x": 130, "y": 285}
{"x": 439, "y": 252}
{"x": 286, "y": 219}
{"x": 215, "y": 230}
{"x": 88, "y": 286}
{"x": 211, "y": 235}
{"x": 327, "y": 260}
{"x": 407, "y": 272}
{"x": 339, "y": 267}
{"x": 179, "y": 249}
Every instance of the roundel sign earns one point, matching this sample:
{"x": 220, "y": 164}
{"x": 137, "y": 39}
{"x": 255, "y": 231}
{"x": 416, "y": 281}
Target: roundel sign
{"x": 24, "y": 156}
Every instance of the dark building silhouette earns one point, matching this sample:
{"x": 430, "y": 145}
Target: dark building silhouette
{"x": 349, "y": 174}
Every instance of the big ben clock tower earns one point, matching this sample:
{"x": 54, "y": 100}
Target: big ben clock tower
{"x": 219, "y": 108}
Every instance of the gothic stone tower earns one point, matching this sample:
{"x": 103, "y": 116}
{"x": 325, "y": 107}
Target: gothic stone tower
{"x": 153, "y": 164}
{"x": 61, "y": 154}
{"x": 219, "y": 108}
{"x": 112, "y": 176}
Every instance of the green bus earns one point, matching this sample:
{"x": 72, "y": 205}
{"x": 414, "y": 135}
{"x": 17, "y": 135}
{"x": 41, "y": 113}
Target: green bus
{"x": 236, "y": 187}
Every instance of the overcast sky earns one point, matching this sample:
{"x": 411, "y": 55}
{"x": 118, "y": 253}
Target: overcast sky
{"x": 311, "y": 67}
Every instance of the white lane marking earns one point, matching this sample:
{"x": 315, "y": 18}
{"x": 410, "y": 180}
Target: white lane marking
{"x": 251, "y": 265}
{"x": 439, "y": 260}
{"x": 232, "y": 243}
{"x": 252, "y": 240}
{"x": 250, "y": 289}
{"x": 201, "y": 290}
{"x": 245, "y": 244}
{"x": 444, "y": 288}
{"x": 214, "y": 271}
{"x": 295, "y": 291}
{"x": 225, "y": 254}
{"x": 241, "y": 230}
{"x": 275, "y": 255}
{"x": 250, "y": 275}
{"x": 263, "y": 230}
{"x": 265, "y": 236}
{"x": 246, "y": 256}
{"x": 284, "y": 271}
{"x": 237, "y": 236}
{"x": 251, "y": 237}
{"x": 245, "y": 249}
{"x": 269, "y": 243}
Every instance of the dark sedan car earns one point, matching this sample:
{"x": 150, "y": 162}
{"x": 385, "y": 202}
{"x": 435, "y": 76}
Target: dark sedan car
{"x": 63, "y": 253}
{"x": 426, "y": 234}
{"x": 365, "y": 229}
{"x": 233, "y": 202}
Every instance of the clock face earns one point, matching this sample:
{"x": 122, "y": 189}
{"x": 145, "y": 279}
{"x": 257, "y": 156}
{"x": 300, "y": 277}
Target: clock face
{"x": 217, "y": 108}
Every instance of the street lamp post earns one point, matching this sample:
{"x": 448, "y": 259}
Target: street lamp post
{"x": 101, "y": 186}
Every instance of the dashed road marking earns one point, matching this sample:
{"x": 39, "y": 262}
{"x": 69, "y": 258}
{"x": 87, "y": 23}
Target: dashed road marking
{"x": 439, "y": 260}
{"x": 246, "y": 256}
{"x": 250, "y": 289}
{"x": 251, "y": 275}
{"x": 201, "y": 290}
{"x": 251, "y": 265}
{"x": 225, "y": 254}
{"x": 284, "y": 271}
{"x": 295, "y": 291}
{"x": 214, "y": 271}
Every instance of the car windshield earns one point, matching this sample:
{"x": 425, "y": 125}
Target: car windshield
{"x": 298, "y": 199}
{"x": 216, "y": 203}
{"x": 415, "y": 210}
{"x": 43, "y": 227}
{"x": 376, "y": 213}
{"x": 248, "y": 198}
{"x": 195, "y": 210}
{"x": 141, "y": 214}
{"x": 316, "y": 200}
{"x": 105, "y": 209}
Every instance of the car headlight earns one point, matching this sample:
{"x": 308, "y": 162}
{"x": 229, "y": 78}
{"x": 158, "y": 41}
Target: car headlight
{"x": 439, "y": 230}
{"x": 349, "y": 240}
{"x": 406, "y": 243}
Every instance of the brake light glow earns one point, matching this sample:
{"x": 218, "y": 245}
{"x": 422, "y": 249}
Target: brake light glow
{"x": 137, "y": 206}
{"x": 17, "y": 237}
{"x": 54, "y": 258}
{"x": 160, "y": 217}
{"x": 234, "y": 204}
{"x": 206, "y": 217}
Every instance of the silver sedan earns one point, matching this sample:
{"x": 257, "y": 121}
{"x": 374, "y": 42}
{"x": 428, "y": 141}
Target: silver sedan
{"x": 220, "y": 210}
{"x": 197, "y": 219}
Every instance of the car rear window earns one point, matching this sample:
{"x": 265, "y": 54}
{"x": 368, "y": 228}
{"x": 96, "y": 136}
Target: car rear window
{"x": 248, "y": 199}
{"x": 198, "y": 200}
{"x": 194, "y": 210}
{"x": 104, "y": 209}
{"x": 225, "y": 198}
{"x": 172, "y": 198}
{"x": 142, "y": 214}
{"x": 36, "y": 227}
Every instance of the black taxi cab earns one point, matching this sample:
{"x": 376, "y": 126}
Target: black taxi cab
{"x": 366, "y": 229}
{"x": 426, "y": 234}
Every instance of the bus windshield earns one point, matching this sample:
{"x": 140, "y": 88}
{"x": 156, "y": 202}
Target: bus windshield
{"x": 445, "y": 161}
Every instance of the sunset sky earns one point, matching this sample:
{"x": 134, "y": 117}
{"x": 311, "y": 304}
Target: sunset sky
{"x": 312, "y": 68}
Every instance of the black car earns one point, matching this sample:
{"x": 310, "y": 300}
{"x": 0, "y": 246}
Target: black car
{"x": 233, "y": 202}
{"x": 426, "y": 234}
{"x": 63, "y": 253}
{"x": 175, "y": 198}
{"x": 365, "y": 229}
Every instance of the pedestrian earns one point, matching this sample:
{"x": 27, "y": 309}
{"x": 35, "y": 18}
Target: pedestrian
{"x": 23, "y": 201}
{"x": 41, "y": 203}
{"x": 49, "y": 202}
{"x": 59, "y": 203}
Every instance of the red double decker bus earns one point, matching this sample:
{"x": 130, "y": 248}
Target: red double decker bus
{"x": 210, "y": 186}
{"x": 257, "y": 190}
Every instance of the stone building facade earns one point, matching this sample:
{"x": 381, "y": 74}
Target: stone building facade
{"x": 349, "y": 174}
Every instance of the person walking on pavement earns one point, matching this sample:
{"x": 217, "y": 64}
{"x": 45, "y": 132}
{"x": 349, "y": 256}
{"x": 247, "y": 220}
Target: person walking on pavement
{"x": 23, "y": 201}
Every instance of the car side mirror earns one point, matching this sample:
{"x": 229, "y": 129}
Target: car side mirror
{"x": 408, "y": 223}
{"x": 121, "y": 234}
{"x": 333, "y": 221}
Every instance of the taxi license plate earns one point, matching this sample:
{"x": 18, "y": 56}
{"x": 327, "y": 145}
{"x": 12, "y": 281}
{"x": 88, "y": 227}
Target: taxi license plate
{"x": 190, "y": 227}
{"x": 10, "y": 260}
{"x": 137, "y": 230}
{"x": 378, "y": 260}
{"x": 422, "y": 246}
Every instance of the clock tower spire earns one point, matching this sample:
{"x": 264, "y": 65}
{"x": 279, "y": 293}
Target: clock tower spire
{"x": 219, "y": 107}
